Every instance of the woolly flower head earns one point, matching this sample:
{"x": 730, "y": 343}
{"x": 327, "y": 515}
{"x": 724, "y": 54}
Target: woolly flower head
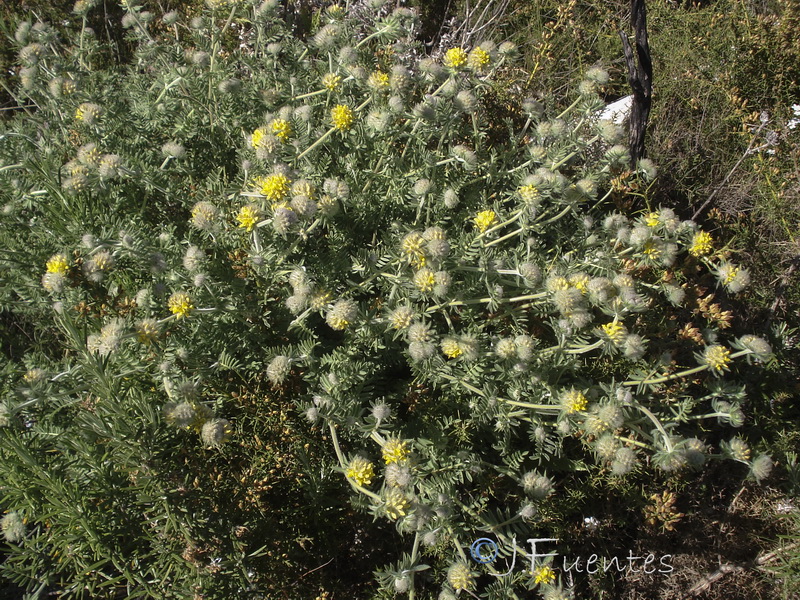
{"x": 185, "y": 415}
{"x": 13, "y": 527}
{"x": 478, "y": 59}
{"x": 215, "y": 432}
{"x": 537, "y": 485}
{"x": 733, "y": 277}
{"x": 758, "y": 346}
{"x": 506, "y": 348}
{"x": 702, "y": 244}
{"x": 378, "y": 80}
{"x": 624, "y": 462}
{"x": 275, "y": 187}
{"x": 342, "y": 117}
{"x": 451, "y": 348}
{"x": 761, "y": 467}
{"x": 739, "y": 449}
{"x": 455, "y": 58}
{"x": 419, "y": 332}
{"x": 194, "y": 259}
{"x": 331, "y": 81}
{"x": 147, "y": 331}
{"x": 381, "y": 411}
{"x": 361, "y": 471}
{"x": 717, "y": 357}
{"x": 57, "y": 264}
{"x": 34, "y": 376}
{"x": 278, "y": 369}
{"x": 247, "y": 217}
{"x": 180, "y": 304}
{"x": 342, "y": 314}
{"x": 485, "y": 219}
{"x": 397, "y": 475}
{"x": 425, "y": 280}
{"x": 395, "y": 450}
{"x": 614, "y": 331}
{"x": 87, "y": 113}
{"x": 395, "y": 503}
{"x": 204, "y": 216}
{"x": 573, "y": 401}
{"x": 413, "y": 248}
{"x": 460, "y": 577}
{"x": 401, "y": 317}
{"x": 109, "y": 339}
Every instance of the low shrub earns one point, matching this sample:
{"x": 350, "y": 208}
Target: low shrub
{"x": 241, "y": 219}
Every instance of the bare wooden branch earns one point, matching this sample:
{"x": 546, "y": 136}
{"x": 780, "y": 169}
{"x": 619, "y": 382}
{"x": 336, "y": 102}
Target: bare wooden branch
{"x": 640, "y": 78}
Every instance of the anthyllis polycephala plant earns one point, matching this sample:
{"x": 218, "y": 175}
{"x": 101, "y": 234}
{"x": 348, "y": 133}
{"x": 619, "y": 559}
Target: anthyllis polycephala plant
{"x": 451, "y": 293}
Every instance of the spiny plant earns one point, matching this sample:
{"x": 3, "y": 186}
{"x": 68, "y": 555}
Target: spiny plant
{"x": 330, "y": 218}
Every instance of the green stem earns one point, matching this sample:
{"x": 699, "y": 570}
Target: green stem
{"x": 545, "y": 407}
{"x": 507, "y": 236}
{"x": 680, "y": 374}
{"x": 340, "y": 456}
{"x": 658, "y": 425}
{"x": 324, "y": 137}
{"x": 572, "y": 154}
{"x": 556, "y": 217}
{"x": 508, "y": 221}
{"x": 569, "y": 108}
{"x": 634, "y": 442}
{"x": 485, "y": 301}
{"x": 309, "y": 94}
{"x": 584, "y": 349}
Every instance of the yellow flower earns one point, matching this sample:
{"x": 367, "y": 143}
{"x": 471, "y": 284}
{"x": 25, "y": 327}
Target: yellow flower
{"x": 257, "y": 137}
{"x": 342, "y": 117}
{"x": 529, "y": 194}
{"x": 573, "y": 401}
{"x": 281, "y": 128}
{"x": 320, "y": 300}
{"x": 58, "y": 264}
{"x": 580, "y": 281}
{"x": 274, "y": 187}
{"x": 717, "y": 358}
{"x": 413, "y": 247}
{"x": 425, "y": 280}
{"x": 395, "y": 450}
{"x": 545, "y": 575}
{"x": 478, "y": 59}
{"x": 396, "y": 504}
{"x": 203, "y": 215}
{"x": 652, "y": 220}
{"x": 147, "y": 331}
{"x": 730, "y": 274}
{"x": 555, "y": 283}
{"x": 451, "y": 348}
{"x": 361, "y": 471}
{"x": 485, "y": 219}
{"x": 460, "y": 577}
{"x": 651, "y": 249}
{"x": 401, "y": 317}
{"x": 247, "y": 217}
{"x": 180, "y": 304}
{"x": 702, "y": 244}
{"x": 378, "y": 80}
{"x": 331, "y": 81}
{"x": 614, "y": 331}
{"x": 455, "y": 58}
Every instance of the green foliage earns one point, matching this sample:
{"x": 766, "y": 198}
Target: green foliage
{"x": 232, "y": 231}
